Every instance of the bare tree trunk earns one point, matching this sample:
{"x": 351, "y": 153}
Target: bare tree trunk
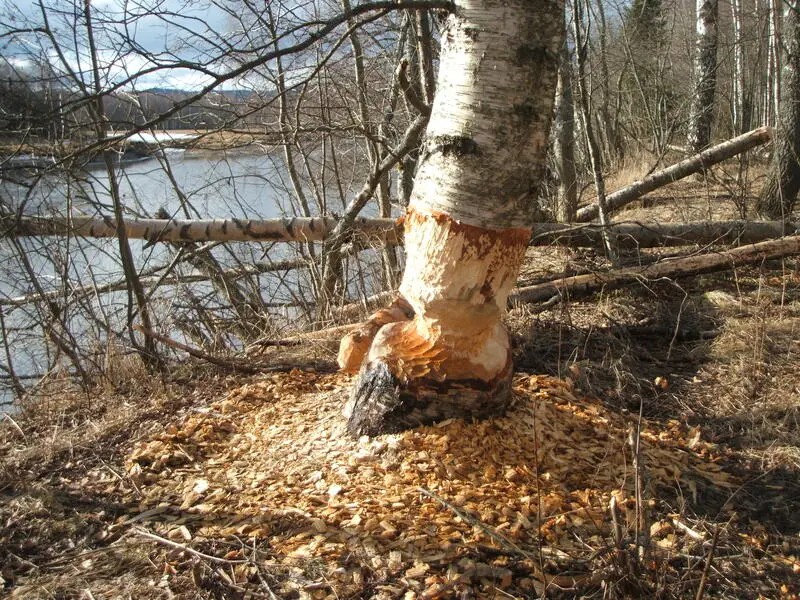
{"x": 200, "y": 230}
{"x": 705, "y": 76}
{"x": 469, "y": 221}
{"x": 389, "y": 259}
{"x": 595, "y": 159}
{"x": 148, "y": 352}
{"x": 412, "y": 88}
{"x": 741, "y": 110}
{"x": 425, "y": 55}
{"x": 564, "y": 142}
{"x": 687, "y": 167}
{"x": 289, "y": 144}
{"x": 774, "y": 81}
{"x": 614, "y": 151}
{"x": 778, "y": 195}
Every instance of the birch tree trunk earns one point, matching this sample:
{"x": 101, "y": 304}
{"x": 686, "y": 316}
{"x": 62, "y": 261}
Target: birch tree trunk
{"x": 584, "y": 110}
{"x": 741, "y": 108}
{"x": 468, "y": 222}
{"x": 705, "y": 76}
{"x": 772, "y": 87}
{"x": 684, "y": 168}
{"x": 564, "y": 142}
{"x": 777, "y": 197}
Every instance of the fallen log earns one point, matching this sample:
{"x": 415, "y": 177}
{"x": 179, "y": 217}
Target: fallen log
{"x": 625, "y": 235}
{"x": 583, "y": 285}
{"x": 632, "y": 235}
{"x": 298, "y": 229}
{"x": 684, "y": 168}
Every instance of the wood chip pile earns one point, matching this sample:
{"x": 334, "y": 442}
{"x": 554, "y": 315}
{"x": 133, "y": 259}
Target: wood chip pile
{"x": 414, "y": 514}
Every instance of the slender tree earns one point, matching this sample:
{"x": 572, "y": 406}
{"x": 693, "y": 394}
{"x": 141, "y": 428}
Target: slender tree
{"x": 777, "y": 197}
{"x": 593, "y": 150}
{"x": 564, "y": 142}
{"x": 773, "y": 68}
{"x": 646, "y": 98}
{"x": 469, "y": 220}
{"x": 741, "y": 105}
{"x": 705, "y": 76}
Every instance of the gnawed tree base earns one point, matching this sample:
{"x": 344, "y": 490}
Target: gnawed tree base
{"x": 441, "y": 350}
{"x": 449, "y": 358}
{"x": 380, "y": 403}
{"x": 468, "y": 222}
{"x": 355, "y": 345}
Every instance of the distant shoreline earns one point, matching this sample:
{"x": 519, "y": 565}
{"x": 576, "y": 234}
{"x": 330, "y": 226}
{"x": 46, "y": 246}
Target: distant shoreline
{"x": 143, "y": 143}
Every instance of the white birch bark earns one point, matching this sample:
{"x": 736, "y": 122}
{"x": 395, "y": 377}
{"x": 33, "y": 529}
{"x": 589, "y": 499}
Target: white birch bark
{"x": 772, "y": 87}
{"x": 777, "y": 54}
{"x": 684, "y": 168}
{"x": 297, "y": 229}
{"x": 705, "y": 76}
{"x": 741, "y": 120}
{"x": 469, "y": 220}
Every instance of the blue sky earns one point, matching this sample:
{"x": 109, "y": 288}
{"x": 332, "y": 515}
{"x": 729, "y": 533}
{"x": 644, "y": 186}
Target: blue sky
{"x": 164, "y": 31}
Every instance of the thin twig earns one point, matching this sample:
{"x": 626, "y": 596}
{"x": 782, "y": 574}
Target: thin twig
{"x": 642, "y": 526}
{"x": 613, "y": 508}
{"x": 237, "y": 365}
{"x": 701, "y": 589}
{"x": 689, "y": 531}
{"x": 498, "y": 537}
{"x": 16, "y": 426}
{"x": 538, "y": 499}
{"x": 187, "y": 549}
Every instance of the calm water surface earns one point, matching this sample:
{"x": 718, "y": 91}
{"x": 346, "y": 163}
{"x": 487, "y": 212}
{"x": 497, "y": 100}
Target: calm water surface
{"x": 208, "y": 186}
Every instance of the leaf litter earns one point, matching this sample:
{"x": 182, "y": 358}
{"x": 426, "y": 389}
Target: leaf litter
{"x": 418, "y": 514}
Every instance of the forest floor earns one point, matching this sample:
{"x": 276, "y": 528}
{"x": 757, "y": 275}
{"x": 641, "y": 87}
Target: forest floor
{"x": 653, "y": 450}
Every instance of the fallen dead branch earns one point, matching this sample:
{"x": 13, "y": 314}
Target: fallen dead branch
{"x": 185, "y": 548}
{"x": 684, "y": 168}
{"x": 632, "y": 235}
{"x": 584, "y": 285}
{"x": 242, "y": 366}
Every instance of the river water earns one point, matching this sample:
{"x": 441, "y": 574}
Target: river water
{"x": 206, "y": 185}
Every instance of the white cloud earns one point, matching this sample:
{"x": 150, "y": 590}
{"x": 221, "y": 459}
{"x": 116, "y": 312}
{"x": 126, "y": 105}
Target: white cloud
{"x": 131, "y": 36}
